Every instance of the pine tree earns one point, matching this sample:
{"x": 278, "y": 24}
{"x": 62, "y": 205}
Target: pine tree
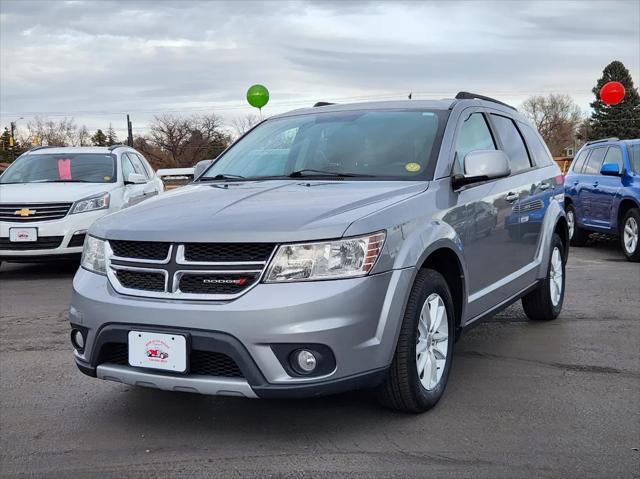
{"x": 99, "y": 138}
{"x": 621, "y": 120}
{"x": 112, "y": 138}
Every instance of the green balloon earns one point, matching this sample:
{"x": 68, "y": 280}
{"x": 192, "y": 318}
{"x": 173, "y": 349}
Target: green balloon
{"x": 258, "y": 96}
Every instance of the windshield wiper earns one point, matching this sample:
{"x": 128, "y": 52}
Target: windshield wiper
{"x": 306, "y": 171}
{"x": 222, "y": 176}
{"x": 63, "y": 181}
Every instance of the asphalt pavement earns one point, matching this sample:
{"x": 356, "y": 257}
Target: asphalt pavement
{"x": 558, "y": 399}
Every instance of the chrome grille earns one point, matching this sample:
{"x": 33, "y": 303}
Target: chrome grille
{"x": 27, "y": 212}
{"x": 213, "y": 271}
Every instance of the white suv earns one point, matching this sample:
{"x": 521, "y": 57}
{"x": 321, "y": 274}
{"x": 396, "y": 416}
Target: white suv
{"x": 51, "y": 195}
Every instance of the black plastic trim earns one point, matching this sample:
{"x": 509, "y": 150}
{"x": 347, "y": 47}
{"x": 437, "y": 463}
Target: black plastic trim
{"x": 326, "y": 360}
{"x": 366, "y": 380}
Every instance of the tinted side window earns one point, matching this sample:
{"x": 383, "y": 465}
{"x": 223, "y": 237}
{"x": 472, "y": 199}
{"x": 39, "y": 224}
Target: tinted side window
{"x": 578, "y": 162}
{"x": 474, "y": 135}
{"x": 594, "y": 163}
{"x": 137, "y": 165}
{"x": 537, "y": 148}
{"x": 512, "y": 142}
{"x": 145, "y": 164}
{"x": 614, "y": 155}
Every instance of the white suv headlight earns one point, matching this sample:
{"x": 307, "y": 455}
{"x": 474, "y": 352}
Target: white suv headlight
{"x": 346, "y": 258}
{"x": 92, "y": 203}
{"x": 93, "y": 255}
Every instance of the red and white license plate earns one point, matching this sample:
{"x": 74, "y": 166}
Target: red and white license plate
{"x": 158, "y": 351}
{"x": 19, "y": 235}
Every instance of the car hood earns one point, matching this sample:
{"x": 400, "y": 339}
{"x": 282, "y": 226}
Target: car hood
{"x": 50, "y": 192}
{"x": 255, "y": 211}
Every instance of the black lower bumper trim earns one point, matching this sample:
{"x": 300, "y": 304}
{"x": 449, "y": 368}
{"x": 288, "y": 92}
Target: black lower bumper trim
{"x": 44, "y": 258}
{"x": 85, "y": 368}
{"x": 369, "y": 379}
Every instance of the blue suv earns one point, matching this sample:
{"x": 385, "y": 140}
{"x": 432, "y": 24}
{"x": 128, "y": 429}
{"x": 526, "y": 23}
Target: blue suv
{"x": 602, "y": 193}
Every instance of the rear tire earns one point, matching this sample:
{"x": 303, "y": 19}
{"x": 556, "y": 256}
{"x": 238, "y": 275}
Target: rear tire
{"x": 545, "y": 302}
{"x": 630, "y": 235}
{"x": 577, "y": 235}
{"x": 422, "y": 346}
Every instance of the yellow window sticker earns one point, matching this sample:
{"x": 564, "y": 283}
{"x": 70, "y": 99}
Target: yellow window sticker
{"x": 107, "y": 178}
{"x": 412, "y": 167}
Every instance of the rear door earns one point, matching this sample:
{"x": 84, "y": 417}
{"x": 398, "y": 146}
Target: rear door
{"x": 606, "y": 190}
{"x": 573, "y": 183}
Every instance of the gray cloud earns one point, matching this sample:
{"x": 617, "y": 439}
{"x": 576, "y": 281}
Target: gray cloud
{"x": 95, "y": 60}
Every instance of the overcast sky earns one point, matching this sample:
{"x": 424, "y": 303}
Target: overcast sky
{"x": 96, "y": 60}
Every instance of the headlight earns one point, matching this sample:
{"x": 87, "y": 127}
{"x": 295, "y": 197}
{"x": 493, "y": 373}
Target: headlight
{"x": 346, "y": 258}
{"x": 93, "y": 255}
{"x": 92, "y": 203}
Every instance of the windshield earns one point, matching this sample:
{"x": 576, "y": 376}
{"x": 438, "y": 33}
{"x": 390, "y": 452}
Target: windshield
{"x": 62, "y": 168}
{"x": 367, "y": 144}
{"x": 634, "y": 158}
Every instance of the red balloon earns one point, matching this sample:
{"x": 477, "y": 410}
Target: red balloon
{"x": 612, "y": 92}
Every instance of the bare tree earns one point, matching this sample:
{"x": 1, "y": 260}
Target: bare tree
{"x": 244, "y": 124}
{"x": 48, "y": 132}
{"x": 175, "y": 141}
{"x": 557, "y": 119}
{"x": 83, "y": 137}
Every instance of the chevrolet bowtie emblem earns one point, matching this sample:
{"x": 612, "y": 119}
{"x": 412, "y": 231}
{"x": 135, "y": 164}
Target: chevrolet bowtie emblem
{"x": 24, "y": 212}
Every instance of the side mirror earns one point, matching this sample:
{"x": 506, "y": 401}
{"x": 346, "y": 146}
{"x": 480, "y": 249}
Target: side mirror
{"x": 135, "y": 179}
{"x": 200, "y": 167}
{"x": 483, "y": 165}
{"x": 610, "y": 169}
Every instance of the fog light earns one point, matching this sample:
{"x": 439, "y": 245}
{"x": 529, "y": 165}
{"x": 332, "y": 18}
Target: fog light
{"x": 77, "y": 339}
{"x": 305, "y": 360}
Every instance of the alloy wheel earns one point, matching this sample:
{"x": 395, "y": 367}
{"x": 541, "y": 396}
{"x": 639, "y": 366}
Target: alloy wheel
{"x": 571, "y": 223}
{"x": 555, "y": 276}
{"x": 631, "y": 235}
{"x": 433, "y": 341}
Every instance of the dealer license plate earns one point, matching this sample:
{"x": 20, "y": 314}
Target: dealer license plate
{"x": 20, "y": 235}
{"x": 158, "y": 351}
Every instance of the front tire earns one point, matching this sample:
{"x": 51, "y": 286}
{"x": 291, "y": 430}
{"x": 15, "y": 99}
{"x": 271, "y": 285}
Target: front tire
{"x": 630, "y": 235}
{"x": 577, "y": 236}
{"x": 545, "y": 302}
{"x": 420, "y": 369}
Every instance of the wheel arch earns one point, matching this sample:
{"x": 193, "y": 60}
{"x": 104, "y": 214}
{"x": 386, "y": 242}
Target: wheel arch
{"x": 446, "y": 261}
{"x": 625, "y": 205}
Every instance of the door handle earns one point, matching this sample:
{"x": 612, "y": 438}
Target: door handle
{"x": 595, "y": 185}
{"x": 511, "y": 197}
{"x": 543, "y": 186}
{"x": 575, "y": 183}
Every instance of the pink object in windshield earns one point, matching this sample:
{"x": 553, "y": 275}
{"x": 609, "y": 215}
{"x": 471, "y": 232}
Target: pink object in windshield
{"x": 64, "y": 169}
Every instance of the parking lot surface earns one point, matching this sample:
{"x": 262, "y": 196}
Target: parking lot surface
{"x": 559, "y": 399}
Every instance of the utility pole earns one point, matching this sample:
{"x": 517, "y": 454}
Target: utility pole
{"x": 12, "y": 142}
{"x": 129, "y": 132}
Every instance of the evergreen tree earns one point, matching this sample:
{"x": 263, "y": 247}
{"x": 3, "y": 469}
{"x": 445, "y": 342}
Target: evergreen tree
{"x": 112, "y": 138}
{"x": 99, "y": 138}
{"x": 621, "y": 120}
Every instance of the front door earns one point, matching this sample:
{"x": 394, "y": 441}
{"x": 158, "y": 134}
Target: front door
{"x": 605, "y": 192}
{"x": 480, "y": 218}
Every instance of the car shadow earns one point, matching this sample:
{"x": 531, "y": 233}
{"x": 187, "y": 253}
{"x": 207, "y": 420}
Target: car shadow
{"x": 28, "y": 271}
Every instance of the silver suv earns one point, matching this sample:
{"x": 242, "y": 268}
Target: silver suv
{"x": 330, "y": 248}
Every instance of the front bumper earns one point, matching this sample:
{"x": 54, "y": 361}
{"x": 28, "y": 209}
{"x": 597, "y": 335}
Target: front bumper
{"x": 59, "y": 232}
{"x": 357, "y": 319}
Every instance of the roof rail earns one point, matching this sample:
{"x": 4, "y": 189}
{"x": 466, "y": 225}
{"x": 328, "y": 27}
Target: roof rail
{"x": 40, "y": 148}
{"x": 119, "y": 145}
{"x": 323, "y": 103}
{"x": 465, "y": 95}
{"x": 604, "y": 140}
